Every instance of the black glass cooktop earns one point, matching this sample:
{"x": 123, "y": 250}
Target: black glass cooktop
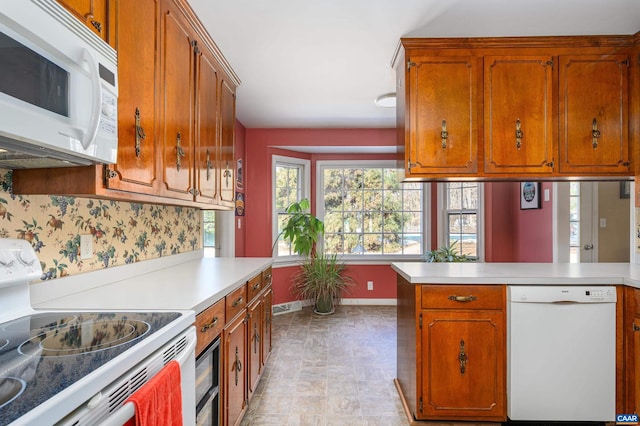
{"x": 43, "y": 354}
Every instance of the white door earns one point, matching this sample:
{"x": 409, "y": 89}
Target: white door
{"x": 588, "y": 238}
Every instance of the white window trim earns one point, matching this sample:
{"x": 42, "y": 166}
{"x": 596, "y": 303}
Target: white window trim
{"x": 442, "y": 219}
{"x": 306, "y": 193}
{"x": 381, "y": 258}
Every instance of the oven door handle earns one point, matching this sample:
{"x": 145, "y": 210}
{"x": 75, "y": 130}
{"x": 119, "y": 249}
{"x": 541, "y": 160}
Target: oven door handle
{"x": 128, "y": 410}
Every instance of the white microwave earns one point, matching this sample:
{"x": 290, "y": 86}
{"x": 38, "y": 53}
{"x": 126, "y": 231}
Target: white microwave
{"x": 58, "y": 89}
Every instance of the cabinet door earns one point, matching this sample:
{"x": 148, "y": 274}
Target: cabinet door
{"x": 594, "y": 127}
{"x": 518, "y": 114}
{"x": 442, "y": 111}
{"x": 136, "y": 42}
{"x": 177, "y": 104}
{"x": 94, "y": 14}
{"x": 254, "y": 362}
{"x": 463, "y": 364}
{"x": 226, "y": 160}
{"x": 235, "y": 376}
{"x": 267, "y": 302}
{"x": 207, "y": 83}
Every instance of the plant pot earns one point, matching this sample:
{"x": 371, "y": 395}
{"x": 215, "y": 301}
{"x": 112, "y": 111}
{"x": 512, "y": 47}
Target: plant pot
{"x": 324, "y": 306}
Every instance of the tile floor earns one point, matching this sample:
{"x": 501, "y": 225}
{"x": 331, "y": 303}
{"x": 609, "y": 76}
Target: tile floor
{"x": 330, "y": 370}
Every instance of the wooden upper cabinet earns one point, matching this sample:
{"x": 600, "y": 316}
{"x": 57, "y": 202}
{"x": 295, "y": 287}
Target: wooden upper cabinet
{"x": 178, "y": 69}
{"x": 518, "y": 114}
{"x": 442, "y": 109}
{"x": 96, "y": 15}
{"x": 207, "y": 83}
{"x": 594, "y": 114}
{"x": 226, "y": 160}
{"x": 136, "y": 168}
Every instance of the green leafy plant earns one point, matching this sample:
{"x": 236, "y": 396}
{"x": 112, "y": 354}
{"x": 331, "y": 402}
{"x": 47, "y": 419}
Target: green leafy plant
{"x": 321, "y": 277}
{"x": 301, "y": 228}
{"x": 446, "y": 254}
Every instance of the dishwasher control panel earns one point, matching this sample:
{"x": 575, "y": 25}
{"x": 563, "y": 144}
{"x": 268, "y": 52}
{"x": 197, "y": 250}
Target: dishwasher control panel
{"x": 561, "y": 294}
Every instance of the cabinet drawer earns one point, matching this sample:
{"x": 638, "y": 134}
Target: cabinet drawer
{"x": 209, "y": 324}
{"x": 463, "y": 296}
{"x": 267, "y": 275}
{"x": 254, "y": 286}
{"x": 235, "y": 302}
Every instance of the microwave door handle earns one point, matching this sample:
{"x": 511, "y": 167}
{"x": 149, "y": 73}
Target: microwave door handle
{"x": 86, "y": 137}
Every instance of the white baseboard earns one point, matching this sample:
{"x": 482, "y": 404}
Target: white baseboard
{"x": 297, "y": 305}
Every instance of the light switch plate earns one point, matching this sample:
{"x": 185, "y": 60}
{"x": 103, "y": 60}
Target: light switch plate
{"x": 86, "y": 246}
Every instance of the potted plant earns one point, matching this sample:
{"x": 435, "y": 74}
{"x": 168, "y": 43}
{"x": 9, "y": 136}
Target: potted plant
{"x": 321, "y": 277}
{"x": 446, "y": 254}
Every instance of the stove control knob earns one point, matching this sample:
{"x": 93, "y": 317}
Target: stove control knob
{"x": 26, "y": 257}
{"x": 6, "y": 259}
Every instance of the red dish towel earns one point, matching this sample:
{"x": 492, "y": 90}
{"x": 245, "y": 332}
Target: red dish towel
{"x": 159, "y": 401}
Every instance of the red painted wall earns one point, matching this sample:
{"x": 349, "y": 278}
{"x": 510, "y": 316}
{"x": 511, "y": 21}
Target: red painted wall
{"x": 510, "y": 234}
{"x": 534, "y": 229}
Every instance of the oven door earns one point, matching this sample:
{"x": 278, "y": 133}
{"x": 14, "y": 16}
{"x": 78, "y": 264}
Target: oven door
{"x": 108, "y": 408}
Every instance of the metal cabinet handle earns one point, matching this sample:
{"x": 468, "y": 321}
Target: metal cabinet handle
{"x": 519, "y": 134}
{"x": 595, "y": 133}
{"x": 209, "y": 325}
{"x": 208, "y": 165}
{"x": 237, "y": 366}
{"x": 237, "y": 302}
{"x": 140, "y": 134}
{"x": 469, "y": 298}
{"x": 444, "y": 135}
{"x": 256, "y": 338}
{"x": 179, "y": 151}
{"x": 255, "y": 286}
{"x": 588, "y": 247}
{"x": 462, "y": 358}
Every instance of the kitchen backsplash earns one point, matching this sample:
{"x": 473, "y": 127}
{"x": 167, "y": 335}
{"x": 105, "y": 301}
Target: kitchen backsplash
{"x": 122, "y": 232}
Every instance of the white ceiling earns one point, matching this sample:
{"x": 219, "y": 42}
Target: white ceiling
{"x": 322, "y": 63}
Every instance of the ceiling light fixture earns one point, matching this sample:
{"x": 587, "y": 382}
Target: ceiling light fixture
{"x": 387, "y": 100}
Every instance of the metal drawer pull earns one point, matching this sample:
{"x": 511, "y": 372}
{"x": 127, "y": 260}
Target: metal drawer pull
{"x": 462, "y": 298}
{"x": 255, "y": 286}
{"x": 209, "y": 325}
{"x": 236, "y": 302}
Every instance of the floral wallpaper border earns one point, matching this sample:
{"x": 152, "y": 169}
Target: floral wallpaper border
{"x": 122, "y": 232}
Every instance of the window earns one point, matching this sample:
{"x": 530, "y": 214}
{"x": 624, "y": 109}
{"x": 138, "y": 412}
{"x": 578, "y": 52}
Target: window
{"x": 291, "y": 184}
{"x": 209, "y": 232}
{"x": 461, "y": 217}
{"x": 367, "y": 210}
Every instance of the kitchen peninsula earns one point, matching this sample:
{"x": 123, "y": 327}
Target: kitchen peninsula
{"x": 454, "y": 332}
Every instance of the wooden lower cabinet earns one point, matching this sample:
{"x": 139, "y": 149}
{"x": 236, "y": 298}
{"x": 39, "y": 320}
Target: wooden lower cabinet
{"x": 246, "y": 345}
{"x": 234, "y": 371}
{"x": 463, "y": 360}
{"x": 452, "y": 351}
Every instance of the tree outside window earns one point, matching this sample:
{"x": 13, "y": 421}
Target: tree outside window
{"x": 368, "y": 211}
{"x": 209, "y": 235}
{"x": 461, "y": 215}
{"x": 290, "y": 185}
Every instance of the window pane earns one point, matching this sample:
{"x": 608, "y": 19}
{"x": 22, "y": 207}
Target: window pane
{"x": 462, "y": 200}
{"x": 209, "y": 226}
{"x": 368, "y": 212}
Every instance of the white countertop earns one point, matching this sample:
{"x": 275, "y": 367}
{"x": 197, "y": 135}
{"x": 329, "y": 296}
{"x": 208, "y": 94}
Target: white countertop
{"x": 520, "y": 273}
{"x": 181, "y": 283}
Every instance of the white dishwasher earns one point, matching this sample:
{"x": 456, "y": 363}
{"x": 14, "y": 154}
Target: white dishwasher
{"x": 561, "y": 353}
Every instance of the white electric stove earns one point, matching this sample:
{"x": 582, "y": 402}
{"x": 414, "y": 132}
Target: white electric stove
{"x": 72, "y": 367}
